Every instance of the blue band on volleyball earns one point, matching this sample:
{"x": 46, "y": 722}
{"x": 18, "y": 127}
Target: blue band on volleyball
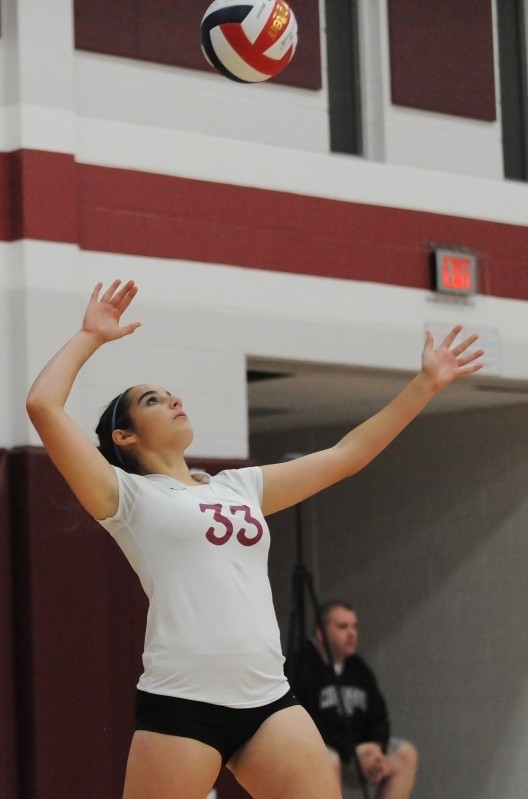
{"x": 113, "y": 426}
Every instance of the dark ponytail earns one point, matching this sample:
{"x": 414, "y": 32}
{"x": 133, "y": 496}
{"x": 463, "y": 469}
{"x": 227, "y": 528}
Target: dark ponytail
{"x": 116, "y": 416}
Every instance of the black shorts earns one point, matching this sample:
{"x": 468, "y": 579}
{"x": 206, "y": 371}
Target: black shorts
{"x": 224, "y": 728}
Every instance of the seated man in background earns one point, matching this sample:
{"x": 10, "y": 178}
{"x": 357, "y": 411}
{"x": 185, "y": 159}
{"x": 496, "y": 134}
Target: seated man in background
{"x": 347, "y": 706}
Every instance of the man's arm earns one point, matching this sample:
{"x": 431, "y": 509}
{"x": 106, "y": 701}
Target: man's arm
{"x": 376, "y": 727}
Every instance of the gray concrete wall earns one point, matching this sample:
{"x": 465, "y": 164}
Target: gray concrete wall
{"x": 429, "y": 542}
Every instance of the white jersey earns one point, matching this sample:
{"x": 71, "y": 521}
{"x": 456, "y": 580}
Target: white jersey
{"x": 201, "y": 555}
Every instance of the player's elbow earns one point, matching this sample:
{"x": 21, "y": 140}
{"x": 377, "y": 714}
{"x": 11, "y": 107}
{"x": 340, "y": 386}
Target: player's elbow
{"x": 37, "y": 406}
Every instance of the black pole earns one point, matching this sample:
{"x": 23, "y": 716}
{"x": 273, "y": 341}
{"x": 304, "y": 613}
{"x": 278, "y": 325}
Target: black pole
{"x": 297, "y": 624}
{"x": 302, "y": 580}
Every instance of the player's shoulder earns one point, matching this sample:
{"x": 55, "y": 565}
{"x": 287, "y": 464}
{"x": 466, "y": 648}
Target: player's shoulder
{"x": 244, "y": 477}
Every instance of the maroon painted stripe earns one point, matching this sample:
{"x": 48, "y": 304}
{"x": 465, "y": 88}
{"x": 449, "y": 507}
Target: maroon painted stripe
{"x": 126, "y": 211}
{"x": 38, "y": 196}
{"x": 10, "y": 197}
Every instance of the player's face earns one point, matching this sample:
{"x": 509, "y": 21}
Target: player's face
{"x": 158, "y": 415}
{"x": 342, "y": 633}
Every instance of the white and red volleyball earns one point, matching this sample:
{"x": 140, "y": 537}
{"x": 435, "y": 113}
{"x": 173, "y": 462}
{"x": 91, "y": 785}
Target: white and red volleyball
{"x": 250, "y": 41}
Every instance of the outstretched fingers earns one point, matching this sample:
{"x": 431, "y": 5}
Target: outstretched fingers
{"x": 105, "y": 310}
{"x": 450, "y": 337}
{"x": 463, "y": 345}
{"x": 126, "y": 330}
{"x": 124, "y": 297}
{"x": 451, "y": 360}
{"x": 120, "y": 299}
{"x": 108, "y": 295}
{"x": 94, "y": 297}
{"x": 470, "y": 363}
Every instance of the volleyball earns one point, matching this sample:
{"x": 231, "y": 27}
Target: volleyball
{"x": 249, "y": 41}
